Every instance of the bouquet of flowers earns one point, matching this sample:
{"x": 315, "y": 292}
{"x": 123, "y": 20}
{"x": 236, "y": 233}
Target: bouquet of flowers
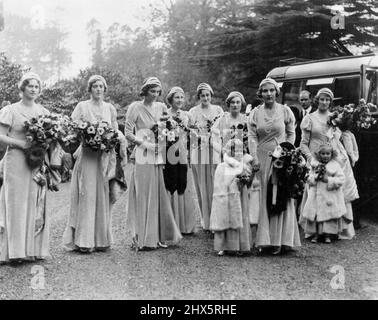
{"x": 290, "y": 170}
{"x": 98, "y": 136}
{"x": 320, "y": 171}
{"x": 240, "y": 131}
{"x": 363, "y": 115}
{"x": 247, "y": 175}
{"x": 42, "y": 132}
{"x": 166, "y": 129}
{"x": 204, "y": 132}
{"x": 351, "y": 117}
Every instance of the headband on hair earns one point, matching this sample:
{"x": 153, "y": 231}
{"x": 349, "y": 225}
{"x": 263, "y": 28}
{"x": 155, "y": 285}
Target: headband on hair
{"x": 204, "y": 86}
{"x": 326, "y": 91}
{"x": 270, "y": 81}
{"x": 151, "y": 81}
{"x": 95, "y": 78}
{"x": 172, "y": 92}
{"x": 235, "y": 94}
{"x": 30, "y": 76}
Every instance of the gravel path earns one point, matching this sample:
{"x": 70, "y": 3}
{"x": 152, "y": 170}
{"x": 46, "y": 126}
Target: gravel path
{"x": 192, "y": 270}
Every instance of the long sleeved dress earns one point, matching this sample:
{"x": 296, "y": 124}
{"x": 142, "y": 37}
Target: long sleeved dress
{"x": 202, "y": 160}
{"x": 316, "y": 131}
{"x": 265, "y": 133}
{"x": 185, "y": 206}
{"x": 21, "y": 200}
{"x": 89, "y": 222}
{"x": 149, "y": 207}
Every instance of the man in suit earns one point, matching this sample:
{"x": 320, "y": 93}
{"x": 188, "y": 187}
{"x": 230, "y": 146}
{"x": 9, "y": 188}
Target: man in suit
{"x": 300, "y": 112}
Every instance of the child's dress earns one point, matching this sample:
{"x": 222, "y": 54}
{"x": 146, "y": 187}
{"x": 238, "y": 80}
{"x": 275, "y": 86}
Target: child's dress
{"x": 229, "y": 217}
{"x": 324, "y": 211}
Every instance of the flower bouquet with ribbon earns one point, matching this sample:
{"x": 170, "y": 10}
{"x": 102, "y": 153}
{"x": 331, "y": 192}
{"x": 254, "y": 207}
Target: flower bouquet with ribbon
{"x": 240, "y": 131}
{"x": 166, "y": 130}
{"x": 41, "y": 133}
{"x": 288, "y": 177}
{"x": 97, "y": 136}
{"x": 203, "y": 132}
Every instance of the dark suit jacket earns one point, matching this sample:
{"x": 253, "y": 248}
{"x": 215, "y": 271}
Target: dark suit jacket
{"x": 298, "y": 120}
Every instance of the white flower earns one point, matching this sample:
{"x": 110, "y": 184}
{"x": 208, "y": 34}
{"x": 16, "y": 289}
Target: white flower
{"x": 277, "y": 152}
{"x": 165, "y": 132}
{"x": 171, "y": 136}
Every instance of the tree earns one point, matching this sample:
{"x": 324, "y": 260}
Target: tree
{"x": 10, "y": 75}
{"x": 43, "y": 49}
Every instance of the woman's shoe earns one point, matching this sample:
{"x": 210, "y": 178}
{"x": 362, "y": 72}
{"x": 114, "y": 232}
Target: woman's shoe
{"x": 276, "y": 251}
{"x": 314, "y": 239}
{"x": 327, "y": 240}
{"x": 162, "y": 245}
{"x": 220, "y": 253}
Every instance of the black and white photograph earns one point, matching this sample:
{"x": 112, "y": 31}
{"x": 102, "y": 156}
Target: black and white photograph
{"x": 175, "y": 150}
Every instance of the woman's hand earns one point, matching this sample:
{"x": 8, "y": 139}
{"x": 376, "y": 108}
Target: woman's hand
{"x": 26, "y": 145}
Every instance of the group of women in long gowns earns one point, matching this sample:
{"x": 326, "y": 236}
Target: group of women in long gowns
{"x": 158, "y": 214}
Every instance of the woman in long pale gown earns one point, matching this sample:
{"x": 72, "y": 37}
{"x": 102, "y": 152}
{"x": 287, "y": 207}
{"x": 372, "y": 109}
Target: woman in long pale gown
{"x": 202, "y": 157}
{"x": 316, "y": 131}
{"x": 24, "y": 224}
{"x": 269, "y": 125}
{"x": 179, "y": 175}
{"x": 239, "y": 240}
{"x": 149, "y": 207}
{"x": 89, "y": 221}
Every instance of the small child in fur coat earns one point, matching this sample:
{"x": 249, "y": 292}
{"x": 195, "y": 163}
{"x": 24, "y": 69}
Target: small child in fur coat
{"x": 324, "y": 210}
{"x": 229, "y": 218}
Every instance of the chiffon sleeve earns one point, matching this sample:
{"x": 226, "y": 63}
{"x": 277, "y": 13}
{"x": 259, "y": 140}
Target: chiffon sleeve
{"x": 6, "y": 116}
{"x": 113, "y": 114}
{"x": 77, "y": 114}
{"x": 252, "y": 133}
{"x": 130, "y": 123}
{"x": 306, "y": 127}
{"x": 289, "y": 125}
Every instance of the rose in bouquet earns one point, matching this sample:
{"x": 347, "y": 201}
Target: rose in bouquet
{"x": 97, "y": 136}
